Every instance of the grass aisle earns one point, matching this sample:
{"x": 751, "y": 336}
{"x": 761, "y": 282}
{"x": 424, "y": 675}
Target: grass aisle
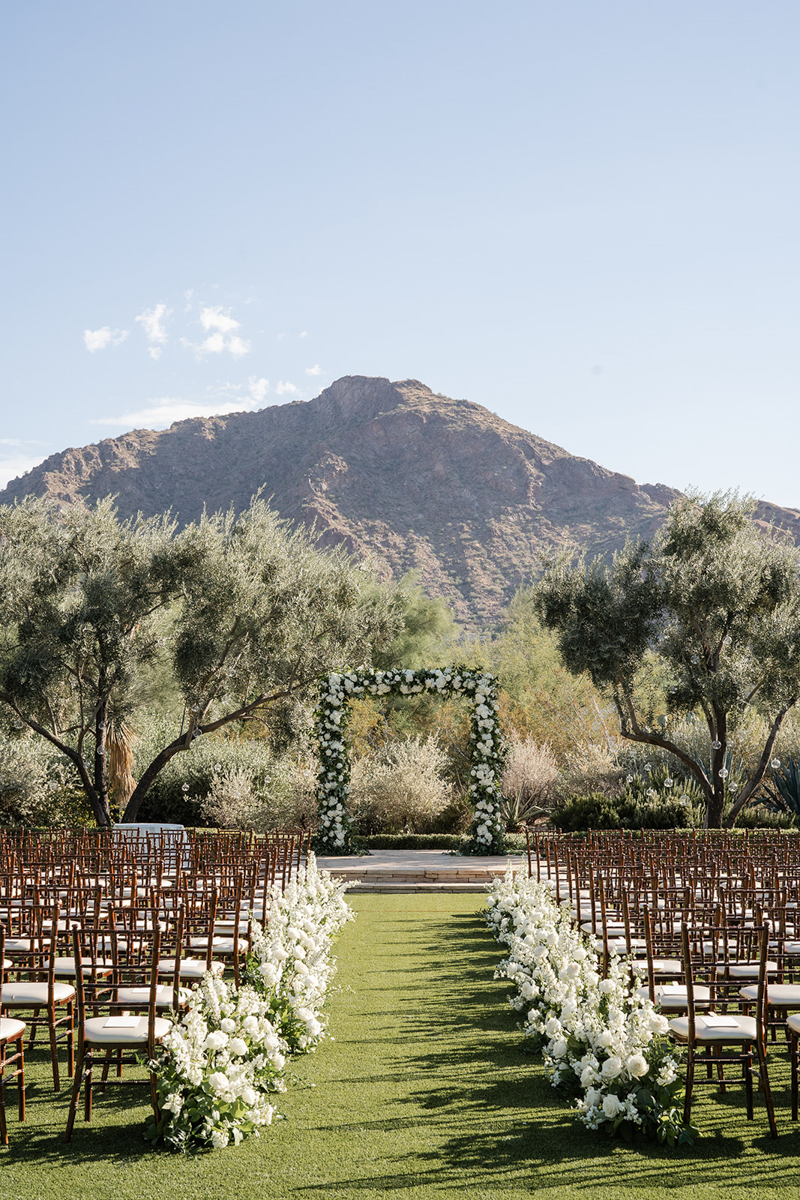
{"x": 424, "y": 1093}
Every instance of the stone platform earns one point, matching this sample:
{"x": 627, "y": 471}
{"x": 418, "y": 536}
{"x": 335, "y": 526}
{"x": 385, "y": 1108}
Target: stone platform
{"x": 420, "y": 870}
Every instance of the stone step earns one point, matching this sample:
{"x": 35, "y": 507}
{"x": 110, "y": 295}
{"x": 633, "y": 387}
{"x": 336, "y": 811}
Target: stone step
{"x": 429, "y": 876}
{"x": 403, "y": 887}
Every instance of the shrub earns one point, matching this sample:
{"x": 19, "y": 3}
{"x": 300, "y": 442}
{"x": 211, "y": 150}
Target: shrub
{"x": 401, "y": 788}
{"x": 38, "y": 787}
{"x": 528, "y": 781}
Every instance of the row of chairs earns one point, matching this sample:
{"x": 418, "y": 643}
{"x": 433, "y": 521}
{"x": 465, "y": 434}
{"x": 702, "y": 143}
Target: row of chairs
{"x": 143, "y": 926}
{"x": 714, "y": 942}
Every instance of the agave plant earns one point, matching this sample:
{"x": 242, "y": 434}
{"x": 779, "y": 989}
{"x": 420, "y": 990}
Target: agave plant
{"x": 784, "y": 796}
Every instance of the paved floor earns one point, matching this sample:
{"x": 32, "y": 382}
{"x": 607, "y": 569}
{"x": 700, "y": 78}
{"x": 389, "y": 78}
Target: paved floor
{"x": 419, "y": 870}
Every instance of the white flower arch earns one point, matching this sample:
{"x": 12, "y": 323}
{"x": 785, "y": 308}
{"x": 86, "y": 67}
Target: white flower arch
{"x": 335, "y": 834}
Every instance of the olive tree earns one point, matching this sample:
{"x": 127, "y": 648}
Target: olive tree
{"x": 240, "y": 612}
{"x": 715, "y": 601}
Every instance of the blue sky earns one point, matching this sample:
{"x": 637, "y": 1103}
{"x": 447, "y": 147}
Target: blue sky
{"x": 582, "y": 215}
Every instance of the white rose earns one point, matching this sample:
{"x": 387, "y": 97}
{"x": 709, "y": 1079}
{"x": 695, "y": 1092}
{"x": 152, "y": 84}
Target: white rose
{"x": 611, "y": 1105}
{"x": 218, "y": 1080}
{"x": 559, "y": 1048}
{"x": 612, "y": 1067}
{"x": 216, "y": 1040}
{"x": 238, "y": 1046}
{"x": 249, "y": 1096}
{"x": 227, "y": 1025}
{"x": 657, "y": 1023}
{"x": 636, "y": 1066}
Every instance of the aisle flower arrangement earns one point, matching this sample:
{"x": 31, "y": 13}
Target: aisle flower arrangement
{"x": 220, "y": 1065}
{"x": 336, "y": 836}
{"x": 598, "y": 1037}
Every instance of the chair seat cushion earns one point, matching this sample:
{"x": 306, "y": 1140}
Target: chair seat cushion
{"x": 190, "y": 968}
{"x": 139, "y": 997}
{"x": 222, "y": 945}
{"x": 95, "y": 1033}
{"x": 675, "y": 999}
{"x": 661, "y": 966}
{"x": 779, "y": 995}
{"x": 744, "y": 970}
{"x": 25, "y": 994}
{"x": 15, "y": 945}
{"x": 66, "y": 967}
{"x": 10, "y": 1029}
{"x": 745, "y": 1030}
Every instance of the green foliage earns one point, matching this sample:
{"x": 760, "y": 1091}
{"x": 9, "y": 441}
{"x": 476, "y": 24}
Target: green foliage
{"x": 784, "y": 795}
{"x": 230, "y": 616}
{"x": 647, "y": 801}
{"x": 716, "y": 602}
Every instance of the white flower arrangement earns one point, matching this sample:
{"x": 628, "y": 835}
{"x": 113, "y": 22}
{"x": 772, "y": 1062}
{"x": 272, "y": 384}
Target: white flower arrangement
{"x": 335, "y": 835}
{"x": 597, "y": 1031}
{"x": 225, "y": 1055}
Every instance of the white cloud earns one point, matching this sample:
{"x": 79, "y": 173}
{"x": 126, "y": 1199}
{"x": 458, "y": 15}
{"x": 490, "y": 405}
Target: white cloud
{"x": 286, "y": 388}
{"x": 154, "y": 352}
{"x": 303, "y": 334}
{"x": 215, "y": 318}
{"x": 222, "y": 338}
{"x": 258, "y": 388}
{"x": 317, "y": 370}
{"x": 98, "y": 339}
{"x": 187, "y": 295}
{"x": 151, "y": 321}
{"x": 161, "y": 413}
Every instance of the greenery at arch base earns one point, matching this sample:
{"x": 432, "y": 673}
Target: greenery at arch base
{"x": 336, "y": 835}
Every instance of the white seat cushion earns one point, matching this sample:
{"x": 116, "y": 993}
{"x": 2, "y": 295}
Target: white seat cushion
{"x": 9, "y": 1028}
{"x": 675, "y": 999}
{"x": 661, "y": 966}
{"x": 27, "y": 995}
{"x": 96, "y": 1034}
{"x": 779, "y": 995}
{"x": 745, "y": 970}
{"x": 17, "y": 945}
{"x": 139, "y": 997}
{"x": 66, "y": 966}
{"x": 190, "y": 968}
{"x": 745, "y": 1030}
{"x": 222, "y": 945}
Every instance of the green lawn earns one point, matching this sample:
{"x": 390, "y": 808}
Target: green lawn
{"x": 424, "y": 1093}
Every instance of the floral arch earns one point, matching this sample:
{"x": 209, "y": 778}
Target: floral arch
{"x": 335, "y": 834}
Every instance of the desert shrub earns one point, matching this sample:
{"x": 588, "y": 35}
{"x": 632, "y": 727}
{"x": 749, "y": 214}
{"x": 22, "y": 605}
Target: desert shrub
{"x": 757, "y": 816}
{"x": 38, "y": 787}
{"x": 231, "y": 802}
{"x": 243, "y": 781}
{"x": 401, "y": 788}
{"x": 528, "y": 782}
{"x": 647, "y": 801}
{"x": 589, "y": 767}
{"x": 594, "y": 811}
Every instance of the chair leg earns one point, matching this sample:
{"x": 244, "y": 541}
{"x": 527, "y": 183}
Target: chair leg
{"x": 54, "y": 1050}
{"x": 793, "y": 1047}
{"x": 687, "y": 1103}
{"x": 71, "y": 1038}
{"x": 87, "y": 1099}
{"x": 3, "y": 1126}
{"x": 78, "y": 1080}
{"x": 762, "y": 1070}
{"x": 747, "y": 1069}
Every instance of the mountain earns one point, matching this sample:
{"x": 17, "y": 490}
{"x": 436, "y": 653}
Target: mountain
{"x": 397, "y": 472}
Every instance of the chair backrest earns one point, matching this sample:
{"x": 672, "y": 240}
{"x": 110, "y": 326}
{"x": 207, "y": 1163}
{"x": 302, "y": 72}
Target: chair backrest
{"x": 133, "y": 986}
